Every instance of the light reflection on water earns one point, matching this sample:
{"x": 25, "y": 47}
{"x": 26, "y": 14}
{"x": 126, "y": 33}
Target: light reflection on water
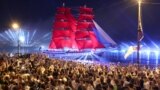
{"x": 146, "y": 57}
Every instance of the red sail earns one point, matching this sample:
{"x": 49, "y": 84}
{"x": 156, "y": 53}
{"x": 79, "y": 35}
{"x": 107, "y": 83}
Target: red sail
{"x": 69, "y": 32}
{"x": 60, "y": 24}
{"x": 81, "y": 34}
{"x": 72, "y": 21}
{"x": 63, "y": 43}
{"x": 83, "y": 39}
{"x": 84, "y": 25}
{"x": 61, "y": 33}
{"x": 52, "y": 45}
{"x": 84, "y": 44}
{"x": 64, "y": 25}
{"x": 68, "y": 11}
{"x": 85, "y": 17}
{"x": 74, "y": 44}
{"x": 96, "y": 43}
{"x": 84, "y": 10}
{"x": 60, "y": 17}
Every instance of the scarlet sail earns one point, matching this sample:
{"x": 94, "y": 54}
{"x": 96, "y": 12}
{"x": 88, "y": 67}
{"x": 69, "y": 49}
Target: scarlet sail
{"x": 85, "y": 24}
{"x": 74, "y": 33}
{"x": 61, "y": 36}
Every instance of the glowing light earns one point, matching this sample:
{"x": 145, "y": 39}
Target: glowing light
{"x": 22, "y": 39}
{"x": 15, "y": 26}
{"x": 27, "y": 38}
{"x": 130, "y": 51}
{"x": 42, "y": 46}
{"x": 139, "y": 1}
{"x": 149, "y": 54}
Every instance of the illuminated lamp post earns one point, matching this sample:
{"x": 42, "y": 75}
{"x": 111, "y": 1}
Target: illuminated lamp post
{"x": 16, "y": 27}
{"x": 140, "y": 30}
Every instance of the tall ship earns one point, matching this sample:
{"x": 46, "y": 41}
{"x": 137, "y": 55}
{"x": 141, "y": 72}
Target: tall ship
{"x": 77, "y": 34}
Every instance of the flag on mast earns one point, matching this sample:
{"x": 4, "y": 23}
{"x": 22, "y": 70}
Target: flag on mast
{"x": 140, "y": 34}
{"x": 130, "y": 51}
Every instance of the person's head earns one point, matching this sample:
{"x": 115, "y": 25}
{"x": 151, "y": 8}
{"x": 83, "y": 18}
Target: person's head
{"x": 110, "y": 87}
{"x": 155, "y": 88}
{"x": 125, "y": 88}
{"x": 131, "y": 85}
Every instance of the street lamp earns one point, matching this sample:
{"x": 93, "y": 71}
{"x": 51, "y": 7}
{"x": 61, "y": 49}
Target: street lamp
{"x": 139, "y": 1}
{"x": 16, "y": 27}
{"x": 140, "y": 30}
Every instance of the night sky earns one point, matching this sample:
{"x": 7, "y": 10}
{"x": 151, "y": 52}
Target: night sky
{"x": 117, "y": 17}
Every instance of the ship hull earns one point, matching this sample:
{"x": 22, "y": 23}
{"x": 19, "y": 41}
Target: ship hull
{"x": 83, "y": 55}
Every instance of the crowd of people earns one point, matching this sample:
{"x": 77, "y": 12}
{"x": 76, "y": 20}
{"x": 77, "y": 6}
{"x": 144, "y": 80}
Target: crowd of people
{"x": 37, "y": 72}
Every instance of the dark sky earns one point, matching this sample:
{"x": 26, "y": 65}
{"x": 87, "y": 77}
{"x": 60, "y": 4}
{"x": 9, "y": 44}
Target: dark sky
{"x": 117, "y": 17}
